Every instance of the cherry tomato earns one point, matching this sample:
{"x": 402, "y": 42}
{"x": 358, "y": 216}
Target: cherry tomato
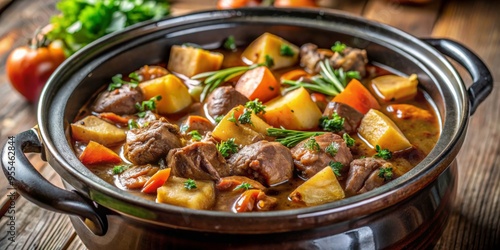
{"x": 29, "y": 67}
{"x": 230, "y": 4}
{"x": 295, "y": 3}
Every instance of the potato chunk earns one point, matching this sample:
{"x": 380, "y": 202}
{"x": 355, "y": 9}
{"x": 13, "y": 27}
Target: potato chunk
{"x": 174, "y": 94}
{"x": 273, "y": 46}
{"x": 173, "y": 192}
{"x": 190, "y": 61}
{"x": 295, "y": 110}
{"x": 393, "y": 87}
{"x": 92, "y": 128}
{"x": 378, "y": 129}
{"x": 322, "y": 188}
{"x": 243, "y": 134}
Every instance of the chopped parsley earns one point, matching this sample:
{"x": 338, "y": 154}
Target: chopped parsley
{"x": 246, "y": 117}
{"x": 147, "y": 105}
{"x": 190, "y": 184}
{"x": 385, "y": 173}
{"x": 312, "y": 145}
{"x": 232, "y": 118}
{"x": 339, "y": 47}
{"x": 117, "y": 81}
{"x": 226, "y": 148}
{"x": 243, "y": 185}
{"x": 383, "y": 153}
{"x": 332, "y": 149}
{"x": 132, "y": 124}
{"x": 195, "y": 135}
{"x": 119, "y": 169}
{"x": 286, "y": 50}
{"x": 230, "y": 43}
{"x": 269, "y": 61}
{"x": 334, "y": 124}
{"x": 290, "y": 138}
{"x": 336, "y": 167}
{"x": 218, "y": 118}
{"x": 256, "y": 106}
{"x": 349, "y": 141}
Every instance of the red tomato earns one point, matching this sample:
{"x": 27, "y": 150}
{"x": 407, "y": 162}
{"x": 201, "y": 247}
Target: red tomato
{"x": 230, "y": 4}
{"x": 28, "y": 68}
{"x": 295, "y": 3}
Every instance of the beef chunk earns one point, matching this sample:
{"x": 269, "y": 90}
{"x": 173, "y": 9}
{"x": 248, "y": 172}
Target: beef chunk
{"x": 136, "y": 177}
{"x": 348, "y": 59}
{"x": 223, "y": 99}
{"x": 270, "y": 163}
{"x": 150, "y": 144}
{"x": 200, "y": 161}
{"x": 120, "y": 101}
{"x": 352, "y": 117}
{"x": 309, "y": 162}
{"x": 363, "y": 175}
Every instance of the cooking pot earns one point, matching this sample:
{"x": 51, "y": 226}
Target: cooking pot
{"x": 409, "y": 211}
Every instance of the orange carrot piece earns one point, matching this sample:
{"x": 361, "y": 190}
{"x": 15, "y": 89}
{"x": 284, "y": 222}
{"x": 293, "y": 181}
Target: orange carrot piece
{"x": 114, "y": 118}
{"x": 231, "y": 182}
{"x": 246, "y": 201}
{"x": 358, "y": 97}
{"x": 294, "y": 75}
{"x": 96, "y": 153}
{"x": 156, "y": 181}
{"x": 200, "y": 123}
{"x": 258, "y": 83}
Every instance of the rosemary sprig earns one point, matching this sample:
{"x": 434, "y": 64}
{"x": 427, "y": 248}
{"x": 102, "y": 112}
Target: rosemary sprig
{"x": 290, "y": 138}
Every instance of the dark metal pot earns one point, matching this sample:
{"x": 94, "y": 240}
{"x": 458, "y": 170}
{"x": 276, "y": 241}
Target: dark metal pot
{"x": 409, "y": 211}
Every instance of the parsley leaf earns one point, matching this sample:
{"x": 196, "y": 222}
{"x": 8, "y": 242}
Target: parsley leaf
{"x": 119, "y": 169}
{"x": 385, "y": 173}
{"x": 256, "y": 106}
{"x": 339, "y": 47}
{"x": 269, "y": 61}
{"x": 147, "y": 105}
{"x": 246, "y": 117}
{"x": 218, "y": 118}
{"x": 332, "y": 149}
{"x": 336, "y": 167}
{"x": 286, "y": 50}
{"x": 132, "y": 124}
{"x": 229, "y": 44}
{"x": 334, "y": 124}
{"x": 349, "y": 141}
{"x": 383, "y": 153}
{"x": 312, "y": 145}
{"x": 243, "y": 185}
{"x": 226, "y": 148}
{"x": 290, "y": 138}
{"x": 190, "y": 184}
{"x": 195, "y": 135}
{"x": 232, "y": 118}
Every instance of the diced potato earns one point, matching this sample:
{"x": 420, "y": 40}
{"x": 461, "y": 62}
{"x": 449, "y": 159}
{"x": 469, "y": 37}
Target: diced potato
{"x": 322, "y": 188}
{"x": 295, "y": 110}
{"x": 393, "y": 87}
{"x": 174, "y": 94}
{"x": 190, "y": 61}
{"x": 269, "y": 44}
{"x": 378, "y": 129}
{"x": 243, "y": 134}
{"x": 92, "y": 128}
{"x": 173, "y": 192}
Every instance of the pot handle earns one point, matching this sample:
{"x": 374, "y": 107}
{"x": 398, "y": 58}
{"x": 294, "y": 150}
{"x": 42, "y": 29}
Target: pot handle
{"x": 482, "y": 81}
{"x": 33, "y": 186}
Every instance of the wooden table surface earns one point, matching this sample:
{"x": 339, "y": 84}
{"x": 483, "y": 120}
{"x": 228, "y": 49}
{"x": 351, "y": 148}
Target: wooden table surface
{"x": 475, "y": 219}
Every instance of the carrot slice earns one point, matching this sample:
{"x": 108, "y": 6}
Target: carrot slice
{"x": 114, "y": 118}
{"x": 294, "y": 75}
{"x": 246, "y": 201}
{"x": 96, "y": 153}
{"x": 156, "y": 181}
{"x": 258, "y": 83}
{"x": 358, "y": 97}
{"x": 232, "y": 182}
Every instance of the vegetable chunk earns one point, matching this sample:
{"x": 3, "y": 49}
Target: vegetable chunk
{"x": 258, "y": 83}
{"x": 198, "y": 195}
{"x": 272, "y": 46}
{"x": 92, "y": 128}
{"x": 322, "y": 188}
{"x": 378, "y": 129}
{"x": 358, "y": 97}
{"x": 394, "y": 88}
{"x": 174, "y": 94}
{"x": 295, "y": 110}
{"x": 96, "y": 153}
{"x": 190, "y": 61}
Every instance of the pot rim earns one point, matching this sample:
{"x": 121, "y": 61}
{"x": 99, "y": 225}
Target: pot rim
{"x": 391, "y": 193}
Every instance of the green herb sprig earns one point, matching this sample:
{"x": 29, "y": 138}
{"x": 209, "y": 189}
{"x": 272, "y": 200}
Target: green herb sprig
{"x": 382, "y": 153}
{"x": 338, "y": 47}
{"x": 336, "y": 167}
{"x": 117, "y": 81}
{"x": 290, "y": 138}
{"x": 385, "y": 173}
{"x": 195, "y": 135}
{"x": 147, "y": 105}
{"x": 190, "y": 184}
{"x": 349, "y": 141}
{"x": 226, "y": 148}
{"x": 334, "y": 124}
{"x": 243, "y": 185}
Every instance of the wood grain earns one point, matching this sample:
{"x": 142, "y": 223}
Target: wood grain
{"x": 474, "y": 223}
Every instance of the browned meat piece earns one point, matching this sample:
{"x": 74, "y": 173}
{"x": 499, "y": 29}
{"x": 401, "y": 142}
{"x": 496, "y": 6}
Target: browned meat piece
{"x": 150, "y": 144}
{"x": 120, "y": 101}
{"x": 270, "y": 163}
{"x": 363, "y": 175}
{"x": 310, "y": 162}
{"x": 352, "y": 117}
{"x": 223, "y": 99}
{"x": 200, "y": 161}
{"x": 136, "y": 177}
{"x": 349, "y": 59}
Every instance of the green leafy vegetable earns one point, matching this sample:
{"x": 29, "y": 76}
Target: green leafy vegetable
{"x": 339, "y": 47}
{"x": 190, "y": 184}
{"x": 385, "y": 173}
{"x": 243, "y": 185}
{"x": 118, "y": 82}
{"x": 286, "y": 50}
{"x": 232, "y": 118}
{"x": 312, "y": 145}
{"x": 81, "y": 22}
{"x": 383, "y": 153}
{"x": 334, "y": 124}
{"x": 332, "y": 149}
{"x": 229, "y": 44}
{"x": 147, "y": 105}
{"x": 218, "y": 118}
{"x": 336, "y": 167}
{"x": 269, "y": 61}
{"x": 290, "y": 138}
{"x": 119, "y": 169}
{"x": 132, "y": 124}
{"x": 349, "y": 141}
{"x": 226, "y": 148}
{"x": 256, "y": 106}
{"x": 195, "y": 135}
{"x": 245, "y": 118}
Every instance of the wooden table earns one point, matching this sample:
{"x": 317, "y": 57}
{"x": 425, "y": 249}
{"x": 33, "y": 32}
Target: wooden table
{"x": 475, "y": 220}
